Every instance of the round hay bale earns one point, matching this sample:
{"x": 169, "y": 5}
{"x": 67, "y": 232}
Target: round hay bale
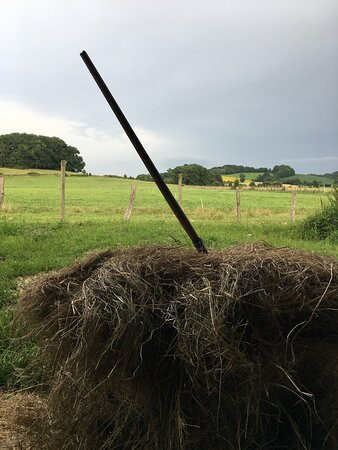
{"x": 165, "y": 348}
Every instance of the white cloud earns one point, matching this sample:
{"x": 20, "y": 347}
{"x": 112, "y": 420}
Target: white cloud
{"x": 103, "y": 152}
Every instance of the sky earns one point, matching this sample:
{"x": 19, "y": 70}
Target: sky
{"x": 251, "y": 82}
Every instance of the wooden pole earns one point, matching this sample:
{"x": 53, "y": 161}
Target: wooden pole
{"x": 167, "y": 194}
{"x": 180, "y": 190}
{"x": 202, "y": 204}
{"x": 129, "y": 209}
{"x": 238, "y": 204}
{"x": 63, "y": 188}
{"x": 293, "y": 207}
{"x": 2, "y": 191}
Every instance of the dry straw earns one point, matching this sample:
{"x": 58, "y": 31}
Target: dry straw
{"x": 165, "y": 348}
{"x": 22, "y": 418}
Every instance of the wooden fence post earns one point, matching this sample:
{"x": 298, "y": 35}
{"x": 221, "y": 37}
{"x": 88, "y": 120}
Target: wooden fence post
{"x": 180, "y": 190}
{"x": 63, "y": 188}
{"x": 293, "y": 207}
{"x": 129, "y": 209}
{"x": 2, "y": 190}
{"x": 238, "y": 204}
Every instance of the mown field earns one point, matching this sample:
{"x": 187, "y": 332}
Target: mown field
{"x": 236, "y": 176}
{"x": 33, "y": 240}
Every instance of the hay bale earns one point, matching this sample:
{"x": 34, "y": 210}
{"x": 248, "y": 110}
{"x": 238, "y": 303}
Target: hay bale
{"x": 164, "y": 348}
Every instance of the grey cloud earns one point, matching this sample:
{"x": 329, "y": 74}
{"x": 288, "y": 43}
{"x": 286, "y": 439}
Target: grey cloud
{"x": 245, "y": 81}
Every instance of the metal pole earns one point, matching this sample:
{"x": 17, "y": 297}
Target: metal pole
{"x": 177, "y": 210}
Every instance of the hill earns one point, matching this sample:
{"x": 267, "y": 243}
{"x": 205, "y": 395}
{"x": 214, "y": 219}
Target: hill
{"x": 308, "y": 178}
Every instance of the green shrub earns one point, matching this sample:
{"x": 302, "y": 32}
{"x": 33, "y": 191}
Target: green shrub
{"x": 324, "y": 223}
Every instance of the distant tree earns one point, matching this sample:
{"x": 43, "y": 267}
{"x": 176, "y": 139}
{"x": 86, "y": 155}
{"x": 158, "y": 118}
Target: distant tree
{"x": 192, "y": 174}
{"x": 266, "y": 176}
{"x": 38, "y": 152}
{"x": 144, "y": 177}
{"x": 252, "y": 184}
{"x": 315, "y": 183}
{"x": 335, "y": 177}
{"x": 283, "y": 171}
{"x": 236, "y": 183}
{"x": 294, "y": 181}
{"x": 232, "y": 168}
{"x": 242, "y": 177}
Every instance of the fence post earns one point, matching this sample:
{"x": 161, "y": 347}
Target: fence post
{"x": 238, "y": 204}
{"x": 63, "y": 188}
{"x": 293, "y": 207}
{"x": 2, "y": 190}
{"x": 129, "y": 209}
{"x": 180, "y": 190}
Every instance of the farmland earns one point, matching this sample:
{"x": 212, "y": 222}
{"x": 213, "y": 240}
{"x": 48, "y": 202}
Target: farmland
{"x": 307, "y": 178}
{"x": 250, "y": 176}
{"x": 321, "y": 179}
{"x": 34, "y": 240}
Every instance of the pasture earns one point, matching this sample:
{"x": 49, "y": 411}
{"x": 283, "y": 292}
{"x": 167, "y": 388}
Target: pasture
{"x": 34, "y": 240}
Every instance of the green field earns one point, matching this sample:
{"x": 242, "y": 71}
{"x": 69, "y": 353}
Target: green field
{"x": 34, "y": 240}
{"x": 248, "y": 175}
{"x": 36, "y": 199}
{"x": 310, "y": 178}
{"x": 33, "y": 172}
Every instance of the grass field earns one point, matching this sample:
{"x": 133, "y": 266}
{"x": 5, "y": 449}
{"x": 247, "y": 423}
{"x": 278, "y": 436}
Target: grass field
{"x": 310, "y": 178}
{"x": 33, "y": 172}
{"x": 34, "y": 240}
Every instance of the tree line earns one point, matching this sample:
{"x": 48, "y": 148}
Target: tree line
{"x": 195, "y": 174}
{"x": 192, "y": 174}
{"x": 31, "y": 151}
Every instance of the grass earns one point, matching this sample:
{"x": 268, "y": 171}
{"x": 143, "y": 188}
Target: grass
{"x": 16, "y": 171}
{"x": 34, "y": 240}
{"x": 310, "y": 178}
{"x": 36, "y": 199}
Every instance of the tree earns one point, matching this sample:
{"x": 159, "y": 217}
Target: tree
{"x": 228, "y": 169}
{"x": 242, "y": 177}
{"x": 144, "y": 177}
{"x": 38, "y": 152}
{"x": 192, "y": 174}
{"x": 283, "y": 171}
{"x": 294, "y": 181}
{"x": 266, "y": 176}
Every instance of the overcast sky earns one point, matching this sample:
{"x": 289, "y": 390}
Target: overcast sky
{"x": 250, "y": 82}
